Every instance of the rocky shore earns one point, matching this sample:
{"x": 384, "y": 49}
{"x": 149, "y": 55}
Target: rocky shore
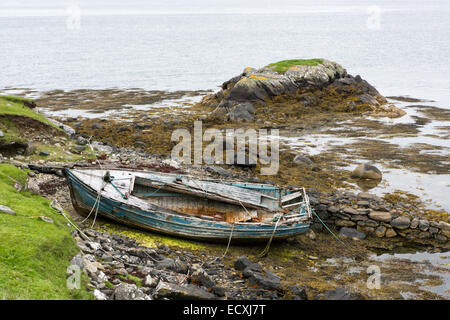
{"x": 302, "y": 98}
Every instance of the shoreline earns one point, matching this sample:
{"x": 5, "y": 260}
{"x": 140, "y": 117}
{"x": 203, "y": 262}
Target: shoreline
{"x": 317, "y": 248}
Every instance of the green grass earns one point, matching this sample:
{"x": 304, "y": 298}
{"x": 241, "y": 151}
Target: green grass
{"x": 10, "y": 105}
{"x": 284, "y": 65}
{"x": 135, "y": 279}
{"x": 34, "y": 255}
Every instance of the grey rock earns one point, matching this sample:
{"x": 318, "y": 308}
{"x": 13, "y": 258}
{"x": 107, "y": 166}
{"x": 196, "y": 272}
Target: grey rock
{"x": 299, "y": 292}
{"x": 251, "y": 269}
{"x": 424, "y": 224}
{"x": 77, "y": 261}
{"x": 5, "y": 209}
{"x": 350, "y": 210}
{"x": 345, "y": 223}
{"x": 201, "y": 278}
{"x": 302, "y": 159}
{"x": 241, "y": 263}
{"x": 185, "y": 291}
{"x": 1, "y": 134}
{"x": 171, "y": 264}
{"x": 401, "y": 222}
{"x": 266, "y": 280}
{"x": 339, "y": 294}
{"x": 380, "y": 216}
{"x": 424, "y": 235}
{"x": 445, "y": 228}
{"x": 380, "y": 231}
{"x": 46, "y": 219}
{"x": 126, "y": 291}
{"x": 367, "y": 171}
{"x": 97, "y": 126}
{"x": 333, "y": 209}
{"x": 414, "y": 223}
{"x": 99, "y": 295}
{"x": 149, "y": 281}
{"x": 352, "y": 233}
{"x": 81, "y": 141}
{"x": 44, "y": 153}
{"x": 242, "y": 112}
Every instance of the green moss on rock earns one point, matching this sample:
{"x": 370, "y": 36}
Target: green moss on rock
{"x": 284, "y": 65}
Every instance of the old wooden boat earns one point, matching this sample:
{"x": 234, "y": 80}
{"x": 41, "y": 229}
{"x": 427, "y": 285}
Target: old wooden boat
{"x": 189, "y": 207}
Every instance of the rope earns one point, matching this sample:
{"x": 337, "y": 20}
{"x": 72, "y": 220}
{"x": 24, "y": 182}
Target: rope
{"x": 326, "y": 227}
{"x": 266, "y": 249}
{"x": 229, "y": 242}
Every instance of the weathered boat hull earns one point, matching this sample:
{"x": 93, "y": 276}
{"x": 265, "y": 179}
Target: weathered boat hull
{"x": 84, "y": 198}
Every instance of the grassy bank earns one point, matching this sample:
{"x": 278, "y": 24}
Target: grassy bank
{"x": 34, "y": 255}
{"x": 10, "y": 105}
{"x": 284, "y": 65}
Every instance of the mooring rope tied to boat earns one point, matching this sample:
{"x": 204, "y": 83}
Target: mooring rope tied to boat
{"x": 328, "y": 229}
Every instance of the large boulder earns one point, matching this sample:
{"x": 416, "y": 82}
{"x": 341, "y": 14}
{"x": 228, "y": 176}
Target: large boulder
{"x": 367, "y": 171}
{"x": 287, "y": 79}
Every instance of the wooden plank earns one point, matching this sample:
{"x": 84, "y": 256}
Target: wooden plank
{"x": 292, "y": 205}
{"x": 291, "y": 196}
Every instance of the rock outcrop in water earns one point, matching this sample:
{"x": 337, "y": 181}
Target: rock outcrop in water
{"x": 316, "y": 83}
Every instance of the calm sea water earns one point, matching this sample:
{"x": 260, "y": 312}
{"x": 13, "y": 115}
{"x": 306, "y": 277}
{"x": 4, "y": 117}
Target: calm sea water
{"x": 402, "y": 47}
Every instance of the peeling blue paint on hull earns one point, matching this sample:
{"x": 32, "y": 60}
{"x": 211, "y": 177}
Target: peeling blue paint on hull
{"x": 173, "y": 224}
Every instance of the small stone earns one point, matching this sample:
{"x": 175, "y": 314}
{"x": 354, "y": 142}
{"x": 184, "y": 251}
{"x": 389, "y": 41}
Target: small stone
{"x": 390, "y": 233}
{"x": 5, "y": 209}
{"x": 185, "y": 291}
{"x": 401, "y": 223}
{"x": 100, "y": 295}
{"x": 241, "y": 263}
{"x": 414, "y": 223}
{"x": 424, "y": 235}
{"x": 44, "y": 153}
{"x": 380, "y": 231}
{"x": 371, "y": 223}
{"x": 445, "y": 228}
{"x": 299, "y": 292}
{"x": 302, "y": 159}
{"x": 46, "y": 219}
{"x": 345, "y": 223}
{"x": 380, "y": 216}
{"x": 363, "y": 203}
{"x": 339, "y": 294}
{"x": 352, "y": 233}
{"x": 126, "y": 291}
{"x": 350, "y": 210}
{"x": 332, "y": 209}
{"x": 149, "y": 281}
{"x": 311, "y": 235}
{"x": 424, "y": 225}
{"x": 94, "y": 245}
{"x": 121, "y": 271}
